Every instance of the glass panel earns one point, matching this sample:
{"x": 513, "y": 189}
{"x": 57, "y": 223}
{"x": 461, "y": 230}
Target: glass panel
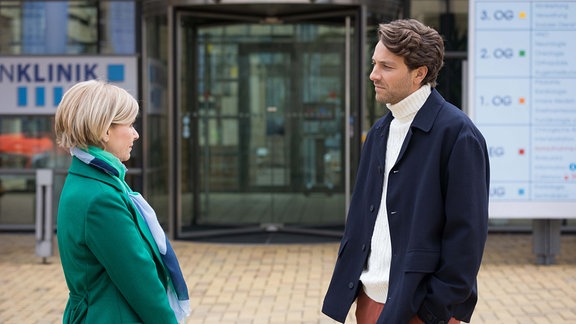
{"x": 156, "y": 111}
{"x": 262, "y": 135}
{"x": 28, "y": 143}
{"x": 17, "y": 199}
{"x": 268, "y": 104}
{"x": 67, "y": 27}
{"x": 187, "y": 130}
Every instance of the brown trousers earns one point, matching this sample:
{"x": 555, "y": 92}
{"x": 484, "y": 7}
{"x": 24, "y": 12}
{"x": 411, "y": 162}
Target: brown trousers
{"x": 368, "y": 311}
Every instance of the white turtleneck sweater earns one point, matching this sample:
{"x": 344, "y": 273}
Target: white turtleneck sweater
{"x": 375, "y": 277}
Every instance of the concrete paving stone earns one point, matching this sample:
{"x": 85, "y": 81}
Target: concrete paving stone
{"x": 556, "y": 318}
{"x": 209, "y": 319}
{"x": 251, "y": 284}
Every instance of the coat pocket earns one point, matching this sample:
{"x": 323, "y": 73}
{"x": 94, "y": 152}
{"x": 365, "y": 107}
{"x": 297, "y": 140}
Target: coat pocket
{"x": 76, "y": 310}
{"x": 421, "y": 261}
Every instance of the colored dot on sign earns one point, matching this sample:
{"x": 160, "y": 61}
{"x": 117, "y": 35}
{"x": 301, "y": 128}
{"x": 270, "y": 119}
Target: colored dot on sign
{"x": 522, "y": 100}
{"x": 521, "y": 151}
{"x": 522, "y": 53}
{"x": 521, "y": 191}
{"x": 522, "y": 14}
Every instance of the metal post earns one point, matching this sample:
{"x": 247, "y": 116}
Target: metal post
{"x": 347, "y": 119}
{"x": 546, "y": 240}
{"x": 44, "y": 220}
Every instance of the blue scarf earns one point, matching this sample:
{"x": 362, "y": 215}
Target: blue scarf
{"x": 177, "y": 290}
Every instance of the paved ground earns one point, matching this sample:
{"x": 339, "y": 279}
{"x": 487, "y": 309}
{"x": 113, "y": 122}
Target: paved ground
{"x": 285, "y": 283}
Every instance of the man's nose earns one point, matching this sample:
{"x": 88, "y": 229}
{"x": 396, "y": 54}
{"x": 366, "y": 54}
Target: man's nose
{"x": 373, "y": 74}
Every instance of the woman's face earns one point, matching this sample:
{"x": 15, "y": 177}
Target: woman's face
{"x": 121, "y": 138}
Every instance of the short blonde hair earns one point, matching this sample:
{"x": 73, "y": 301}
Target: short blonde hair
{"x": 87, "y": 111}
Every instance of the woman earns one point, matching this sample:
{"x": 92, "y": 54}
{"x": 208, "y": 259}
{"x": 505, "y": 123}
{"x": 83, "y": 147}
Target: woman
{"x": 118, "y": 264}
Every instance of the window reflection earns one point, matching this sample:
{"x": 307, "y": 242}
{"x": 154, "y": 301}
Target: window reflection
{"x": 67, "y": 27}
{"x": 28, "y": 143}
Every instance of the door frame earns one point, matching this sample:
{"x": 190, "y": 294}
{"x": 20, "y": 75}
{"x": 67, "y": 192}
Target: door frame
{"x": 352, "y": 118}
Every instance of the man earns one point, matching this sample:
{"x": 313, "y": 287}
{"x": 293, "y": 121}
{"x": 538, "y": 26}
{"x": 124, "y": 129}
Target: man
{"x": 417, "y": 223}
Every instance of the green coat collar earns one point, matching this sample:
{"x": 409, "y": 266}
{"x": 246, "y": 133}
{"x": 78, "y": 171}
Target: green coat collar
{"x": 81, "y": 169}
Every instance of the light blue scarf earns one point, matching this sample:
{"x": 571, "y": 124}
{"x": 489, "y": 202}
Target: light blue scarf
{"x": 177, "y": 290}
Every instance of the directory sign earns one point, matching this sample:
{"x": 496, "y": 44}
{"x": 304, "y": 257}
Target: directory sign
{"x": 522, "y": 82}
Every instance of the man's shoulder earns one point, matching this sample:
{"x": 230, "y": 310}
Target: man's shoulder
{"x": 450, "y": 111}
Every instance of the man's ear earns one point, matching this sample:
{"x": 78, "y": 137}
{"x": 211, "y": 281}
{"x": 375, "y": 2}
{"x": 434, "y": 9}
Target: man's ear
{"x": 420, "y": 73}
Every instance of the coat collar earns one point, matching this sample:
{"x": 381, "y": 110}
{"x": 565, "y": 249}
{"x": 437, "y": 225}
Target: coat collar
{"x": 82, "y": 169}
{"x": 423, "y": 120}
{"x": 426, "y": 116}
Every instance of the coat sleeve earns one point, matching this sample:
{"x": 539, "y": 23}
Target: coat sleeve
{"x": 466, "y": 183}
{"x": 116, "y": 241}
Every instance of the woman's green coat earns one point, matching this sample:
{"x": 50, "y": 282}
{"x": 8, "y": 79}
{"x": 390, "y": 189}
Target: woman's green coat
{"x": 111, "y": 263}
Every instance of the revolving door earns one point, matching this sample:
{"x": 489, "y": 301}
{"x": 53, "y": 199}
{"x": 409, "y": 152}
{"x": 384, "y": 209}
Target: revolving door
{"x": 262, "y": 120}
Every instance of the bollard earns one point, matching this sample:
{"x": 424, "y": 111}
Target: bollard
{"x": 44, "y": 221}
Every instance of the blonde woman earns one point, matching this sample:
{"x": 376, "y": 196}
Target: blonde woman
{"x": 118, "y": 264}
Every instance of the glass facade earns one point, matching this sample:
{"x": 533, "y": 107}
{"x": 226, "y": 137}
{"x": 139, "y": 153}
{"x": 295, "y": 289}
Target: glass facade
{"x": 247, "y": 119}
{"x": 41, "y": 28}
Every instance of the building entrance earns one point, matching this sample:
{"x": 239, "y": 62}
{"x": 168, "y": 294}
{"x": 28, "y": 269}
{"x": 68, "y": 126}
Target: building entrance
{"x": 263, "y": 106}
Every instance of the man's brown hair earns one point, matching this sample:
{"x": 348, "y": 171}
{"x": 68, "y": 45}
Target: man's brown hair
{"x": 418, "y": 44}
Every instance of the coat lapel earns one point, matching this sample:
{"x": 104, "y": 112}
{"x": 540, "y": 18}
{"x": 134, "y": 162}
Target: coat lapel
{"x": 381, "y": 138}
{"x": 79, "y": 168}
{"x": 423, "y": 120}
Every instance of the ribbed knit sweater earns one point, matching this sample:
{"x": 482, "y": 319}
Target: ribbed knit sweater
{"x": 375, "y": 277}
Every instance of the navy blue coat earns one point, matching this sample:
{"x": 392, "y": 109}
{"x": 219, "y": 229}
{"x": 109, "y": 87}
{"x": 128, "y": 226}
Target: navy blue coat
{"x": 437, "y": 205}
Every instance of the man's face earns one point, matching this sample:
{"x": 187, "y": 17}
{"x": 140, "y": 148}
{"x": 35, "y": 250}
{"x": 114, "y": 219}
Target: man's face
{"x": 393, "y": 81}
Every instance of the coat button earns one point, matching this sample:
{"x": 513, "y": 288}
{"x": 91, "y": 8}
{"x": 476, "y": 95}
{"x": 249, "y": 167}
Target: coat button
{"x": 350, "y": 285}
{"x": 371, "y": 208}
{"x": 363, "y": 247}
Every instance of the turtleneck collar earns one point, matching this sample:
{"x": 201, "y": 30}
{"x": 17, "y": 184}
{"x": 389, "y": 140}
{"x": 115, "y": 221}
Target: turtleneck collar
{"x": 407, "y": 108}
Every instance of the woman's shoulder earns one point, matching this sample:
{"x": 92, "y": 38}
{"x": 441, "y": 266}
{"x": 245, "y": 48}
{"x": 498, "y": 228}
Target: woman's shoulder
{"x": 87, "y": 192}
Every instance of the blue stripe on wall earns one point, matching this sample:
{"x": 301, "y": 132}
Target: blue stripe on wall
{"x": 22, "y": 96}
{"x": 40, "y": 94}
{"x": 116, "y": 72}
{"x": 58, "y": 93}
